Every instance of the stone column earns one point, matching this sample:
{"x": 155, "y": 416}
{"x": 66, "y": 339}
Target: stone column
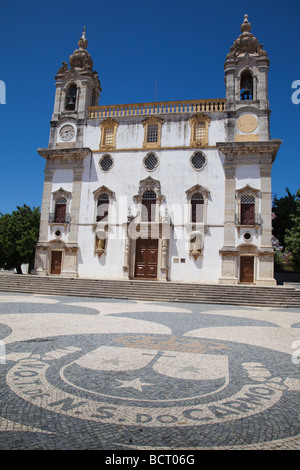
{"x": 229, "y": 252}
{"x": 46, "y": 203}
{"x": 265, "y": 273}
{"x": 75, "y": 206}
{"x": 266, "y": 205}
{"x": 229, "y": 209}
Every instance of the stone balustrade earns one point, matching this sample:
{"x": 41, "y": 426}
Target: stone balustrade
{"x": 159, "y": 108}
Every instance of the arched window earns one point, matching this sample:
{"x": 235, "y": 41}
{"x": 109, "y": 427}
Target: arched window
{"x": 102, "y": 207}
{"x": 247, "y": 210}
{"x": 71, "y": 97}
{"x": 60, "y": 210}
{"x": 197, "y": 208}
{"x": 148, "y": 206}
{"x": 246, "y": 88}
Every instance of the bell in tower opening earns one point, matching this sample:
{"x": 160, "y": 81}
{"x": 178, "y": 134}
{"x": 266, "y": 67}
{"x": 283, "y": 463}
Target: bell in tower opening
{"x": 246, "y": 86}
{"x": 71, "y": 98}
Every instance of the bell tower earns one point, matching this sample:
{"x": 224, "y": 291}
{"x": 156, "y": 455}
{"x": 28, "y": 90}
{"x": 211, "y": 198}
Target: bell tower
{"x": 77, "y": 88}
{"x": 246, "y": 81}
{"x": 248, "y": 154}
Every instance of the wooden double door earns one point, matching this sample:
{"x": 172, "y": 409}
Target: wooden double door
{"x": 56, "y": 257}
{"x": 247, "y": 269}
{"x": 146, "y": 254}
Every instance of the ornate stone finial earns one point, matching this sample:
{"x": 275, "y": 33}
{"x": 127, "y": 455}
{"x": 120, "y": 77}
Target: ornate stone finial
{"x": 246, "y": 26}
{"x": 246, "y": 43}
{"x": 81, "y": 58}
{"x": 82, "y": 43}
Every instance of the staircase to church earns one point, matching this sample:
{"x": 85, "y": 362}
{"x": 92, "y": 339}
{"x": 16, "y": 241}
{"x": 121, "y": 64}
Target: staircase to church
{"x": 238, "y": 295}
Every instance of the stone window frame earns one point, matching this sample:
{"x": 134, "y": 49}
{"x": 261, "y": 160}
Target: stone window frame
{"x": 196, "y": 230}
{"x": 101, "y": 227}
{"x": 255, "y": 193}
{"x": 108, "y": 123}
{"x": 197, "y": 189}
{"x": 56, "y": 195}
{"x": 148, "y": 122}
{"x": 194, "y": 120}
{"x": 149, "y": 184}
{"x": 100, "y": 191}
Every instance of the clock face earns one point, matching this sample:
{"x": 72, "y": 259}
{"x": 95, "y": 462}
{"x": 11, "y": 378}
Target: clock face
{"x": 67, "y": 132}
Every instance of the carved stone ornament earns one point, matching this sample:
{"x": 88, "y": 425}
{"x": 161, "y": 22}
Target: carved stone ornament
{"x": 197, "y": 242}
{"x": 197, "y": 189}
{"x": 80, "y": 57}
{"x": 149, "y": 184}
{"x": 62, "y": 70}
{"x": 246, "y": 43}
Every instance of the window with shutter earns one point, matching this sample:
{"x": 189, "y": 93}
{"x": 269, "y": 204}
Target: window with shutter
{"x": 60, "y": 210}
{"x": 197, "y": 203}
{"x": 248, "y": 210}
{"x": 102, "y": 207}
{"x": 148, "y": 206}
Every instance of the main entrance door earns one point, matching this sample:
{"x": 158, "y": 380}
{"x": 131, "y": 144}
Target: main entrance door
{"x": 146, "y": 258}
{"x": 247, "y": 269}
{"x": 56, "y": 262}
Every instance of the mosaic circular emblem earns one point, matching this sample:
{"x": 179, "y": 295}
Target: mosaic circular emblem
{"x": 153, "y": 380}
{"x": 247, "y": 123}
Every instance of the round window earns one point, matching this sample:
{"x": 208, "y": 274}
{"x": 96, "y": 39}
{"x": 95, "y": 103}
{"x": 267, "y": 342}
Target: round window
{"x": 106, "y": 163}
{"x": 151, "y": 161}
{"x": 247, "y": 236}
{"x": 198, "y": 161}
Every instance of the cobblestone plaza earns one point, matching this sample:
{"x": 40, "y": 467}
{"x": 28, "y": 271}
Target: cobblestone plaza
{"x": 80, "y": 373}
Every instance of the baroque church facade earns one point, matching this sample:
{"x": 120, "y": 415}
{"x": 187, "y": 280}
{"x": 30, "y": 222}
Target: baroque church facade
{"x": 175, "y": 191}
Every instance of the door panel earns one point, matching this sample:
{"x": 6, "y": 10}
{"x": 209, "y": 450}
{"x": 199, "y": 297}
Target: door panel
{"x": 247, "y": 214}
{"x": 56, "y": 262}
{"x": 60, "y": 213}
{"x": 146, "y": 258}
{"x": 247, "y": 269}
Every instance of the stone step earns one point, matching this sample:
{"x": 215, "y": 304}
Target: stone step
{"x": 152, "y": 290}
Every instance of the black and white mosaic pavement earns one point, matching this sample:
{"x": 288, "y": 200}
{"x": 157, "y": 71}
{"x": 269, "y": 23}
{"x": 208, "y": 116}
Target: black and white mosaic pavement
{"x": 79, "y": 373}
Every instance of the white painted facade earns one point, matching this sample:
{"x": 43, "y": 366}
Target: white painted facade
{"x": 234, "y": 156}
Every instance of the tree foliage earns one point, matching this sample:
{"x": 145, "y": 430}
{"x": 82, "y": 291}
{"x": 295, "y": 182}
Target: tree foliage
{"x": 286, "y": 228}
{"x": 282, "y": 209}
{"x": 292, "y": 235}
{"x": 19, "y": 232}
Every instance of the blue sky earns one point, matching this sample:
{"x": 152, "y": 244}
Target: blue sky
{"x": 180, "y": 44}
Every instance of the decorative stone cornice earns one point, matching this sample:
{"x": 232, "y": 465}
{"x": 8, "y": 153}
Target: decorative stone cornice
{"x": 64, "y": 154}
{"x": 234, "y": 149}
{"x": 197, "y": 188}
{"x": 101, "y": 190}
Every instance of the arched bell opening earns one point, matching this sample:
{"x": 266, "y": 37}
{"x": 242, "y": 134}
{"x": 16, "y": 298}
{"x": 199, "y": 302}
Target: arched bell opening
{"x": 246, "y": 86}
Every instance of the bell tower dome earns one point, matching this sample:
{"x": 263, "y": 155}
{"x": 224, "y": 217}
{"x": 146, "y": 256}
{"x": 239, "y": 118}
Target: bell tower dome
{"x": 246, "y": 81}
{"x": 77, "y": 88}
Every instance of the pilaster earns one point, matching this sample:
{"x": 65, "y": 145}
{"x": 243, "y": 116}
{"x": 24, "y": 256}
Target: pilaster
{"x": 75, "y": 207}
{"x": 46, "y": 202}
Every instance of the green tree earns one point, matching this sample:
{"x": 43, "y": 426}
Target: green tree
{"x": 283, "y": 208}
{"x": 292, "y": 236}
{"x": 19, "y": 232}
